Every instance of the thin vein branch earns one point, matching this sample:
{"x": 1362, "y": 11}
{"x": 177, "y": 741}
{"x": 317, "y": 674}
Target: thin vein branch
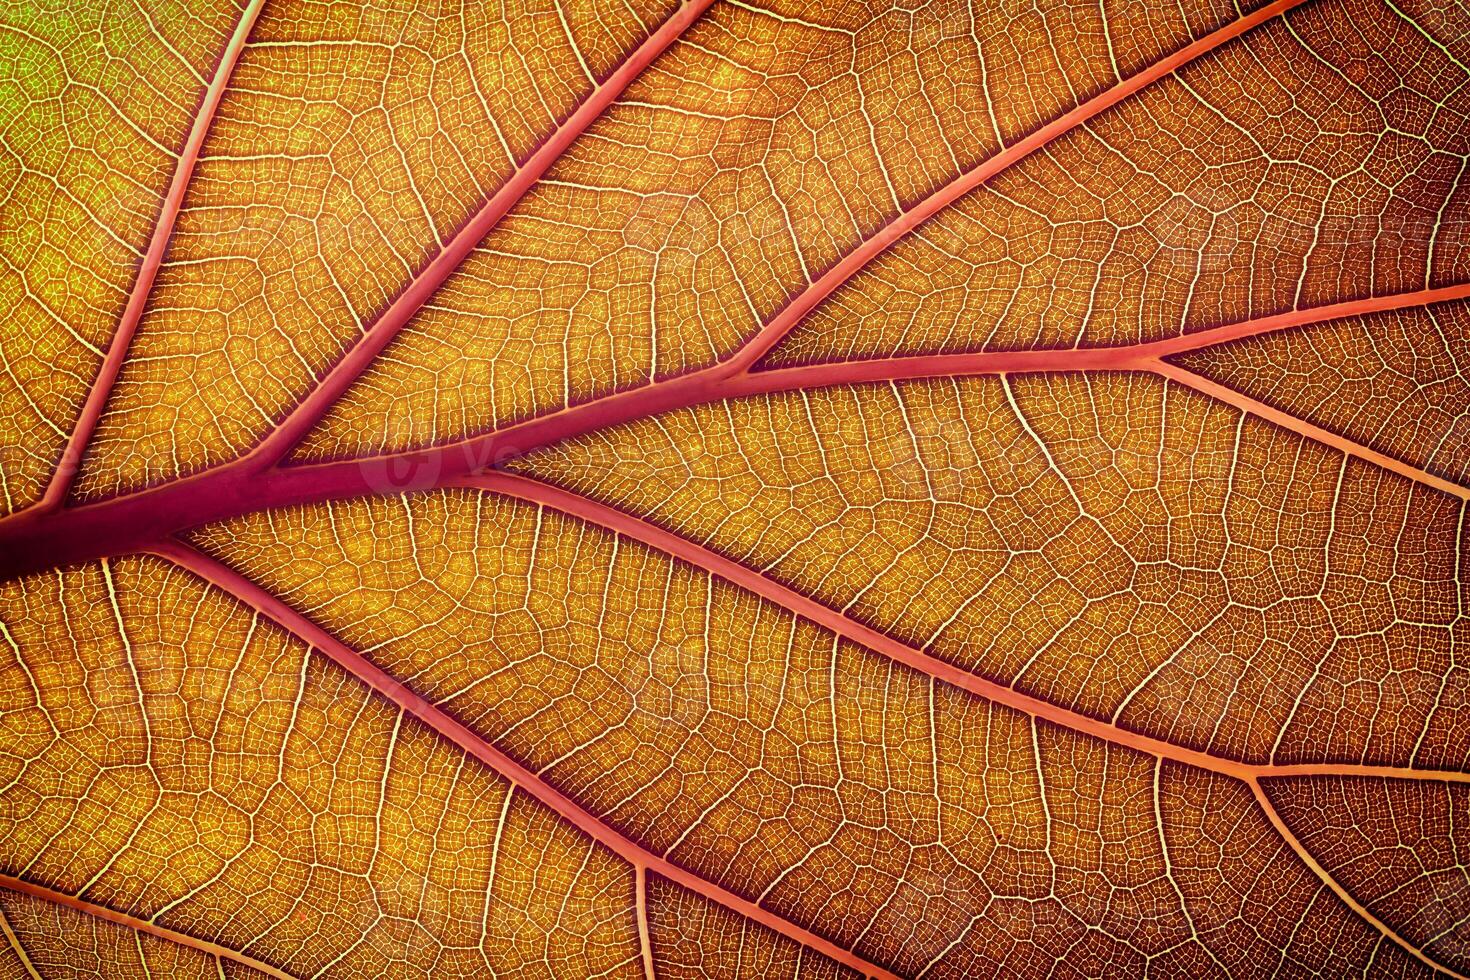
{"x": 1123, "y": 357}
{"x": 1336, "y": 887}
{"x": 24, "y": 887}
{"x": 645, "y": 942}
{"x": 173, "y": 203}
{"x": 17, "y": 947}
{"x": 1302, "y": 427}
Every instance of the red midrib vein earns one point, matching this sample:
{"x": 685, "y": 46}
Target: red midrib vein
{"x": 290, "y": 431}
{"x": 163, "y": 229}
{"x": 33, "y": 540}
{"x": 233, "y": 583}
{"x": 254, "y": 482}
{"x": 856, "y": 260}
{"x": 24, "y": 887}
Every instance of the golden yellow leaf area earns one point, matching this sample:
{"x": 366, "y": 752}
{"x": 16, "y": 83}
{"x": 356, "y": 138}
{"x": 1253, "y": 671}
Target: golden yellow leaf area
{"x": 750, "y": 158}
{"x": 918, "y": 824}
{"x": 95, "y": 100}
{"x": 1396, "y": 381}
{"x": 1312, "y": 165}
{"x": 734, "y": 488}
{"x": 172, "y": 756}
{"x": 696, "y": 939}
{"x": 53, "y": 941}
{"x": 350, "y": 145}
{"x": 1107, "y": 542}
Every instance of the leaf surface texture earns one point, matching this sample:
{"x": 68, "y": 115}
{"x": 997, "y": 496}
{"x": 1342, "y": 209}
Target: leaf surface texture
{"x": 720, "y": 489}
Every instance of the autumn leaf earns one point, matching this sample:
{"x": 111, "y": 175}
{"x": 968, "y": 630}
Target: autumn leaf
{"x": 721, "y": 488}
